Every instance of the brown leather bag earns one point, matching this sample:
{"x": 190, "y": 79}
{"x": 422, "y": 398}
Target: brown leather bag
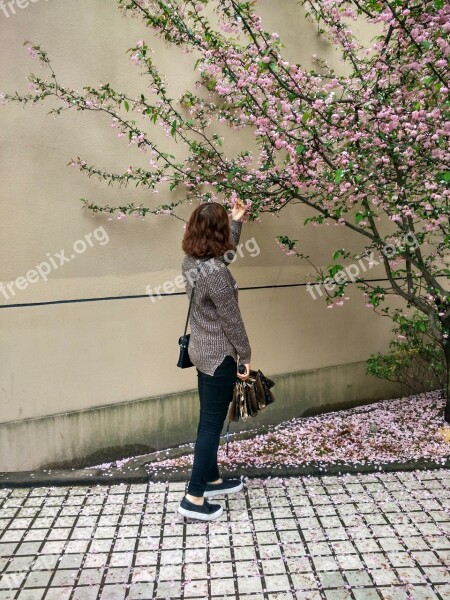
{"x": 249, "y": 397}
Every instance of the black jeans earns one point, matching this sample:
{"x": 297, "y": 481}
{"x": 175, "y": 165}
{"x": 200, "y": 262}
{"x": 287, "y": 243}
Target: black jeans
{"x": 215, "y": 392}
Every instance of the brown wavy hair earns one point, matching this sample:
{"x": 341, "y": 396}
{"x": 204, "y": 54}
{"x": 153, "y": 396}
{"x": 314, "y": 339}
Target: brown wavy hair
{"x": 208, "y": 231}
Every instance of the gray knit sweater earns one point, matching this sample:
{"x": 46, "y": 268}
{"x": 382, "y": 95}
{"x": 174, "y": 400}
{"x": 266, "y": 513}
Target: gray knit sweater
{"x": 217, "y": 329}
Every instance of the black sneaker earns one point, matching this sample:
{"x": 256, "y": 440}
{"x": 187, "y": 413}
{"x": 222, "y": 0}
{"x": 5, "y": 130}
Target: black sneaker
{"x": 206, "y": 512}
{"x": 229, "y": 486}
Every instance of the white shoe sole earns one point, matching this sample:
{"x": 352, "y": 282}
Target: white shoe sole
{"x": 192, "y": 514}
{"x": 233, "y": 490}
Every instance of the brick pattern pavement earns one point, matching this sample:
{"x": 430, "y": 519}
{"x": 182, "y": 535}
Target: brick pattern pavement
{"x": 360, "y": 537}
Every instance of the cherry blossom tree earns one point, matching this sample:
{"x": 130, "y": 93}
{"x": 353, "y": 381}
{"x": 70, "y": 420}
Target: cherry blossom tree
{"x": 367, "y": 150}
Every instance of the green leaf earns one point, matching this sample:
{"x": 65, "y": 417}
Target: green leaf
{"x": 335, "y": 269}
{"x": 305, "y": 117}
{"x": 300, "y": 149}
{"x": 126, "y": 105}
{"x": 174, "y": 127}
{"x": 338, "y": 176}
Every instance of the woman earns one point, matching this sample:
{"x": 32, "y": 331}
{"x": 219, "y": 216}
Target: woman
{"x": 218, "y": 338}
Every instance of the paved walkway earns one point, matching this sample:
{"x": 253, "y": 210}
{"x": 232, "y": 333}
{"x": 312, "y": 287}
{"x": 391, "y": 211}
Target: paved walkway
{"x": 356, "y": 536}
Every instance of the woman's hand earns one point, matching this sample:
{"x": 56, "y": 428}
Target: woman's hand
{"x": 245, "y": 375}
{"x": 238, "y": 211}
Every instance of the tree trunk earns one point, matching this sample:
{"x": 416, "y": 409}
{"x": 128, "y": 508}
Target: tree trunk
{"x": 447, "y": 381}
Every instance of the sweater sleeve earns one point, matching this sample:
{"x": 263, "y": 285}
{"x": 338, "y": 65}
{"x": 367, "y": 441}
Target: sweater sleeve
{"x": 236, "y": 227}
{"x": 222, "y": 294}
{"x": 228, "y": 257}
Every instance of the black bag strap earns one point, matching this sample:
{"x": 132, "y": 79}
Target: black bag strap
{"x": 190, "y": 303}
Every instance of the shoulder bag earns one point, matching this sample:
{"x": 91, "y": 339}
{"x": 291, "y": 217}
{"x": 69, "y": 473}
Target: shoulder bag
{"x": 184, "y": 361}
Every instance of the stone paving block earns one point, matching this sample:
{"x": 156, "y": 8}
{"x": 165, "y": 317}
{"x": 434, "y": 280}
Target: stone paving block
{"x": 62, "y": 593}
{"x": 366, "y": 594}
{"x": 310, "y": 595}
{"x": 400, "y": 559}
{"x": 195, "y": 555}
{"x": 27, "y": 548}
{"x": 336, "y": 534}
{"x": 36, "y": 594}
{"x": 64, "y": 577}
{"x": 143, "y": 574}
{"x": 298, "y": 565}
{"x": 384, "y": 577}
{"x": 304, "y": 582}
{"x": 249, "y": 585}
{"x": 280, "y": 596}
{"x": 443, "y": 591}
{"x": 394, "y": 593}
{"x": 275, "y": 583}
{"x": 415, "y": 543}
{"x": 244, "y": 553}
{"x": 290, "y": 537}
{"x": 358, "y": 578}
{"x": 425, "y": 558}
{"x": 367, "y": 546}
{"x": 92, "y": 560}
{"x": 113, "y": 592}
{"x": 319, "y": 548}
{"x": 410, "y": 575}
{"x": 273, "y": 567}
{"x": 325, "y": 563}
{"x": 222, "y": 586}
{"x": 124, "y": 545}
{"x": 349, "y": 561}
{"x": 170, "y": 572}
{"x": 392, "y": 544}
{"x": 331, "y": 579}
{"x": 218, "y": 555}
{"x": 37, "y": 579}
{"x": 437, "y": 574}
{"x": 270, "y": 551}
{"x": 195, "y": 589}
{"x": 117, "y": 575}
{"x": 88, "y": 577}
{"x": 423, "y": 593}
{"x": 444, "y": 555}
{"x": 171, "y": 589}
{"x": 369, "y": 534}
{"x": 264, "y": 537}
{"x": 138, "y": 591}
{"x": 67, "y": 561}
{"x": 247, "y": 568}
{"x": 192, "y": 571}
{"x": 338, "y": 595}
{"x": 439, "y": 542}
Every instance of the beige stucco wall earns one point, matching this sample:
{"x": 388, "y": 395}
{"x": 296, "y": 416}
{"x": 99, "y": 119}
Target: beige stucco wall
{"x": 74, "y": 356}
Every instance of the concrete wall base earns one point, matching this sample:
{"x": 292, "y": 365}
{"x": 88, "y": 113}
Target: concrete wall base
{"x": 88, "y": 437}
